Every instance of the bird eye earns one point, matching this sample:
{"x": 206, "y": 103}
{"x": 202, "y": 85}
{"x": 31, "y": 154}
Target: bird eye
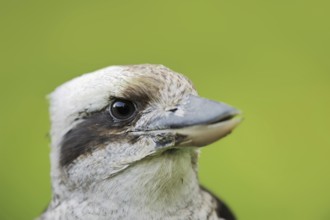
{"x": 122, "y": 109}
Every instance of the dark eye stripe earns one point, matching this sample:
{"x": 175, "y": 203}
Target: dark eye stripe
{"x": 86, "y": 136}
{"x": 98, "y": 129}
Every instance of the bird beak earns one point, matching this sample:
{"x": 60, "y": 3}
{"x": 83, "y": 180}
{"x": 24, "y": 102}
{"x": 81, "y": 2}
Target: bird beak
{"x": 197, "y": 122}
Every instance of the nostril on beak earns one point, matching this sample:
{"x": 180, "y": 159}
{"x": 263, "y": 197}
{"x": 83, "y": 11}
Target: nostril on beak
{"x": 173, "y": 110}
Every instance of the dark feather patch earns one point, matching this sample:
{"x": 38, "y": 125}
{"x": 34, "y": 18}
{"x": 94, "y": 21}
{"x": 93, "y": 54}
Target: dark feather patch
{"x": 223, "y": 211}
{"x": 97, "y": 129}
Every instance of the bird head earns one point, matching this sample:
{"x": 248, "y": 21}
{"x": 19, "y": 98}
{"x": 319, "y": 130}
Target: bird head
{"x": 109, "y": 120}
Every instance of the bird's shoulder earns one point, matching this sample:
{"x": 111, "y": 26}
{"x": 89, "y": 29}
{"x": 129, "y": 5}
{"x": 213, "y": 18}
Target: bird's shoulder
{"x": 222, "y": 209}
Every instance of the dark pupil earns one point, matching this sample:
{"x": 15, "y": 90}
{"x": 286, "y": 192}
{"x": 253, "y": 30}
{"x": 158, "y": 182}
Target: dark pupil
{"x": 122, "y": 109}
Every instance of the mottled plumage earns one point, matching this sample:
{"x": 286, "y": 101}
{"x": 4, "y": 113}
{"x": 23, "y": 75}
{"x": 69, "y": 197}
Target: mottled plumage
{"x": 138, "y": 161}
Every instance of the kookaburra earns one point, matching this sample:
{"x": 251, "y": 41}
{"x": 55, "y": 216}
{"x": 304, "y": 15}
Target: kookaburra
{"x": 124, "y": 145}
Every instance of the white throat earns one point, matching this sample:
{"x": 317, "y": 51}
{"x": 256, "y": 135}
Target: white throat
{"x": 163, "y": 187}
{"x": 153, "y": 180}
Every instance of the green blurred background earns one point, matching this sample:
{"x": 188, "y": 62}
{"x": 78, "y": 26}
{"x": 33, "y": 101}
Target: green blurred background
{"x": 268, "y": 58}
